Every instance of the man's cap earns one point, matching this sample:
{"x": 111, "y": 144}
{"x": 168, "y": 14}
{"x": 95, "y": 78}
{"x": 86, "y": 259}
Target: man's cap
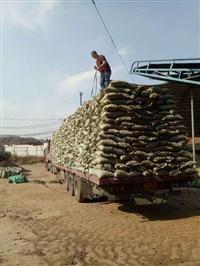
{"x": 93, "y": 52}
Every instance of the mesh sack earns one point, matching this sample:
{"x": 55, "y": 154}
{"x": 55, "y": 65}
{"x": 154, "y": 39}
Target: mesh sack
{"x": 134, "y": 173}
{"x": 120, "y": 174}
{"x": 121, "y": 83}
{"x": 104, "y": 126}
{"x": 167, "y": 107}
{"x": 114, "y": 150}
{"x": 103, "y": 160}
{"x": 179, "y": 138}
{"x": 144, "y": 138}
{"x": 148, "y": 172}
{"x": 140, "y": 168}
{"x": 128, "y": 124}
{"x": 107, "y": 120}
{"x": 107, "y": 142}
{"x": 100, "y": 173}
{"x": 154, "y": 95}
{"x": 138, "y": 127}
{"x": 165, "y": 96}
{"x": 141, "y": 154}
{"x": 186, "y": 154}
{"x": 170, "y": 101}
{"x": 172, "y": 117}
{"x": 186, "y": 164}
{"x": 154, "y": 89}
{"x": 139, "y": 144}
{"x": 111, "y": 88}
{"x": 111, "y": 131}
{"x": 189, "y": 171}
{"x": 158, "y": 159}
{"x": 102, "y": 136}
{"x": 125, "y": 133}
{"x": 180, "y": 159}
{"x": 132, "y": 163}
{"x": 122, "y": 167}
{"x": 129, "y": 139}
{"x": 112, "y": 114}
{"x": 152, "y": 144}
{"x": 106, "y": 155}
{"x": 164, "y": 91}
{"x": 123, "y": 145}
{"x": 123, "y": 119}
{"x": 125, "y": 157}
{"x": 174, "y": 172}
{"x": 110, "y": 108}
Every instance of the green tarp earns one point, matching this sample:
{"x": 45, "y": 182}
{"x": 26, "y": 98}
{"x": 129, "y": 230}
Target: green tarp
{"x": 17, "y": 179}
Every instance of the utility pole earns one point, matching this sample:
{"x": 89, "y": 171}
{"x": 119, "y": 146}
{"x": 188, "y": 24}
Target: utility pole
{"x": 81, "y": 94}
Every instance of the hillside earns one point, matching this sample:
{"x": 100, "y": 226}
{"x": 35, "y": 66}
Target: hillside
{"x": 10, "y": 140}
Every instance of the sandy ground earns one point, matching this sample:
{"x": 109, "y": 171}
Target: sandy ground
{"x": 44, "y": 225}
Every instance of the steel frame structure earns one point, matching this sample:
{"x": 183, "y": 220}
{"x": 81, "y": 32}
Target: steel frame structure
{"x": 173, "y": 70}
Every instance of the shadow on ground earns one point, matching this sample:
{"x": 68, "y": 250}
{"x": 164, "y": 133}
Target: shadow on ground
{"x": 175, "y": 208}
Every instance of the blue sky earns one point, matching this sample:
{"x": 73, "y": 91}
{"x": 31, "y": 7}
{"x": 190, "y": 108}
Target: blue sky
{"x": 46, "y": 46}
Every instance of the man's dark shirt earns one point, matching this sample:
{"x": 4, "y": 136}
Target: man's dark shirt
{"x": 105, "y": 68}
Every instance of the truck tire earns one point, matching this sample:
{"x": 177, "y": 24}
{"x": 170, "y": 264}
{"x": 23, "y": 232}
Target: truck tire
{"x": 71, "y": 184}
{"x": 58, "y": 176}
{"x": 78, "y": 184}
{"x": 47, "y": 166}
{"x": 51, "y": 169}
{"x": 66, "y": 184}
{"x": 54, "y": 170}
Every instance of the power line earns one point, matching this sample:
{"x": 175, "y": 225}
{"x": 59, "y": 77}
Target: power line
{"x": 34, "y": 126}
{"x": 30, "y": 119}
{"x": 111, "y": 39}
{"x": 39, "y": 133}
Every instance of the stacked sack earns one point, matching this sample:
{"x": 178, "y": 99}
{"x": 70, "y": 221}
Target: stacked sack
{"x": 125, "y": 131}
{"x": 6, "y": 172}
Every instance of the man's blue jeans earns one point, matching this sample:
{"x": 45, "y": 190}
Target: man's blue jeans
{"x": 105, "y": 80}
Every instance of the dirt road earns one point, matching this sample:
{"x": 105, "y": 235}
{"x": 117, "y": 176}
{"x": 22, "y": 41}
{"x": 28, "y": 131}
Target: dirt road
{"x": 43, "y": 225}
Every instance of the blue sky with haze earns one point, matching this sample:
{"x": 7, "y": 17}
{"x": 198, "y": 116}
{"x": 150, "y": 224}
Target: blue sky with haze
{"x": 46, "y": 46}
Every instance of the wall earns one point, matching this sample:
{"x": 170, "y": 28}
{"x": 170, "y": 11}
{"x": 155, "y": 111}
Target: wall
{"x": 25, "y": 150}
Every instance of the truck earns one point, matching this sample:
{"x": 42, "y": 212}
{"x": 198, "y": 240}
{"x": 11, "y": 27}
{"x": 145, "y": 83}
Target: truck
{"x": 140, "y": 189}
{"x": 148, "y": 186}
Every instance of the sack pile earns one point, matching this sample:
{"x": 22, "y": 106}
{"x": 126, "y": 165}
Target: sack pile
{"x": 6, "y": 172}
{"x": 125, "y": 131}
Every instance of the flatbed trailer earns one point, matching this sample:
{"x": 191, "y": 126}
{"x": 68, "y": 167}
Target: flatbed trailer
{"x": 154, "y": 189}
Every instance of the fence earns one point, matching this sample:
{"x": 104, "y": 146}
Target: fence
{"x": 26, "y": 150}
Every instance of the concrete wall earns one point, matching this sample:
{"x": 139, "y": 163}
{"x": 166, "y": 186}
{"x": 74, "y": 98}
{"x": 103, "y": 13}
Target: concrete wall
{"x": 25, "y": 150}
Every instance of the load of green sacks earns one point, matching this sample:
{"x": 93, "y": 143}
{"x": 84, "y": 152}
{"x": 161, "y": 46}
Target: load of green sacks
{"x": 125, "y": 131}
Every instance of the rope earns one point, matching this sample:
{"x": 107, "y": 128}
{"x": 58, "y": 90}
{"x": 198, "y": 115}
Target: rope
{"x": 94, "y": 85}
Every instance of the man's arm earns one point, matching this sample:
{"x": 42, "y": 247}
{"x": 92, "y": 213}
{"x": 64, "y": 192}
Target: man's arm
{"x": 104, "y": 63}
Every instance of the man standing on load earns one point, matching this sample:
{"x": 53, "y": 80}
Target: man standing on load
{"x": 103, "y": 67}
